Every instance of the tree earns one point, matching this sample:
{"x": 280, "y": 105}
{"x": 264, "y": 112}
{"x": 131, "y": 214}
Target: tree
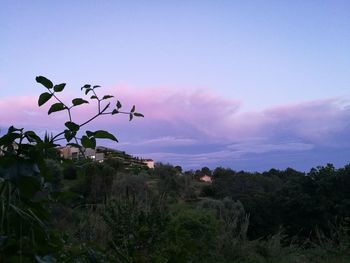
{"x": 206, "y": 171}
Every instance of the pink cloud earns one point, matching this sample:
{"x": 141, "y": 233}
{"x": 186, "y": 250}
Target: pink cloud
{"x": 220, "y": 118}
{"x": 317, "y": 121}
{"x": 199, "y": 109}
{"x": 191, "y": 117}
{"x": 164, "y": 141}
{"x": 21, "y": 111}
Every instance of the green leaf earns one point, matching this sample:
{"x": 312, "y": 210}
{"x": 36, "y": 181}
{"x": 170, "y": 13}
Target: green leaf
{"x": 79, "y": 101}
{"x": 88, "y": 142}
{"x": 72, "y": 126}
{"x": 85, "y": 141}
{"x": 9, "y": 138}
{"x": 32, "y": 137}
{"x": 59, "y": 87}
{"x": 93, "y": 142}
{"x": 89, "y": 133}
{"x": 44, "y": 81}
{"x": 56, "y": 107}
{"x": 43, "y": 98}
{"x": 133, "y": 108}
{"x": 119, "y": 105}
{"x": 69, "y": 135}
{"x": 13, "y": 129}
{"x": 115, "y": 112}
{"x": 131, "y": 116}
{"x": 137, "y": 114}
{"x": 107, "y": 97}
{"x": 101, "y": 134}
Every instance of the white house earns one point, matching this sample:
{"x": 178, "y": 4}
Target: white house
{"x": 205, "y": 178}
{"x": 149, "y": 163}
{"x": 73, "y": 153}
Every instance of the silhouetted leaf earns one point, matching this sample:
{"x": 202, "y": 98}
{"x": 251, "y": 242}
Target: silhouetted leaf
{"x": 93, "y": 97}
{"x": 100, "y": 134}
{"x": 85, "y": 141}
{"x": 9, "y": 138}
{"x": 56, "y": 107}
{"x": 59, "y": 87}
{"x": 133, "y": 108}
{"x": 137, "y": 114}
{"x": 119, "y": 105}
{"x": 96, "y": 86}
{"x": 86, "y": 86}
{"x": 44, "y": 81}
{"x": 43, "y": 98}
{"x": 115, "y": 112}
{"x": 72, "y": 126}
{"x": 69, "y": 135}
{"x": 131, "y": 116}
{"x": 89, "y": 133}
{"x": 13, "y": 129}
{"x": 107, "y": 97}
{"x": 88, "y": 142}
{"x": 87, "y": 91}
{"x": 79, "y": 101}
{"x": 32, "y": 137}
{"x": 93, "y": 142}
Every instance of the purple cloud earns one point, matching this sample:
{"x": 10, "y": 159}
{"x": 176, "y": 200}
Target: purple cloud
{"x": 196, "y": 128}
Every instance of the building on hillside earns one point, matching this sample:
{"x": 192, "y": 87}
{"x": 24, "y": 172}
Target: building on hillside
{"x": 100, "y": 153}
{"x": 70, "y": 153}
{"x": 149, "y": 163}
{"x": 205, "y": 178}
{"x": 107, "y": 150}
{"x": 73, "y": 153}
{"x": 99, "y": 157}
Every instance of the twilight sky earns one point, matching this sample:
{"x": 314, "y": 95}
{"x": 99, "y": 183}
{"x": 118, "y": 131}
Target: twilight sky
{"x": 243, "y": 84}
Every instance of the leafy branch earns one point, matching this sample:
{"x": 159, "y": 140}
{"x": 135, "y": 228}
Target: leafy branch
{"x": 88, "y": 140}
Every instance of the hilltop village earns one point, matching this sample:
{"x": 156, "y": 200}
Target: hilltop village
{"x": 101, "y": 153}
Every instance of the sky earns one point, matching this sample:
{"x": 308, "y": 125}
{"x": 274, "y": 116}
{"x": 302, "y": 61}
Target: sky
{"x": 242, "y": 84}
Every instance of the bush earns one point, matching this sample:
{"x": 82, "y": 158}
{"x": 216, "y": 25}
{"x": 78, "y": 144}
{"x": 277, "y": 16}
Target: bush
{"x": 55, "y": 173}
{"x": 70, "y": 172}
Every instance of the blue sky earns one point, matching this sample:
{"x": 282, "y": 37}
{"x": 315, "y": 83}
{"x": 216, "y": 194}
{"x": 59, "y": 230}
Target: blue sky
{"x": 250, "y": 57}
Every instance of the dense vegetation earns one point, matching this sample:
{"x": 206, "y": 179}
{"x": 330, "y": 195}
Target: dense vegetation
{"x": 108, "y": 213}
{"x": 55, "y": 210}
